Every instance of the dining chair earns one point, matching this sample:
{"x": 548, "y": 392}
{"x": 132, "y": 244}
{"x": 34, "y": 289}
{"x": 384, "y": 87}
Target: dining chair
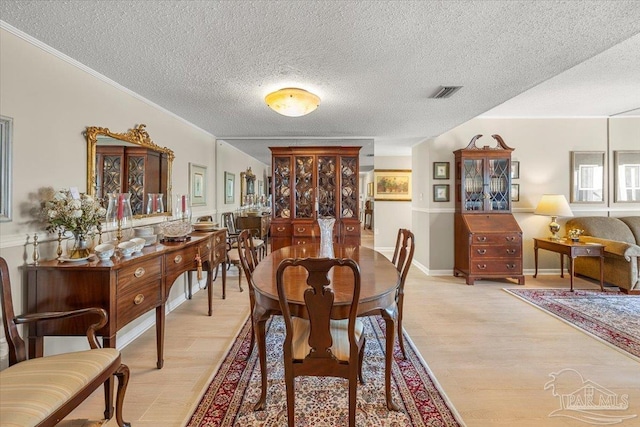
{"x": 317, "y": 345}
{"x": 402, "y": 258}
{"x": 249, "y": 261}
{"x": 43, "y": 390}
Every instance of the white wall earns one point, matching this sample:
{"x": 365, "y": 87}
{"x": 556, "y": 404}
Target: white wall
{"x": 390, "y": 216}
{"x": 52, "y": 102}
{"x": 542, "y": 146}
{"x": 230, "y": 159}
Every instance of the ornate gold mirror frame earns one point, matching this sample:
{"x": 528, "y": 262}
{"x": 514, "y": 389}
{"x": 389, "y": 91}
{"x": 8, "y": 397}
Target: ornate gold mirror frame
{"x": 247, "y": 187}
{"x": 138, "y": 136}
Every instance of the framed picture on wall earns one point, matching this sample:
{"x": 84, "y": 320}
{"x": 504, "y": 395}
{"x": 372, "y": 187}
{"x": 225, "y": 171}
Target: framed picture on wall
{"x": 392, "y": 185}
{"x": 229, "y": 186}
{"x": 515, "y": 192}
{"x": 515, "y": 169}
{"x": 441, "y": 193}
{"x": 440, "y": 170}
{"x": 198, "y": 184}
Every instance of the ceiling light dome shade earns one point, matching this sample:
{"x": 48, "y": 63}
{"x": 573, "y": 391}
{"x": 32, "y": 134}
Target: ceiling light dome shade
{"x": 292, "y": 102}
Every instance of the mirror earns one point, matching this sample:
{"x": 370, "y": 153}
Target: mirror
{"x": 627, "y": 176}
{"x": 587, "y": 176}
{"x": 247, "y": 188}
{"x": 129, "y": 162}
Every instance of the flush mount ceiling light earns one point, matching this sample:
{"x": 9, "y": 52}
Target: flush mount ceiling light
{"x": 292, "y": 102}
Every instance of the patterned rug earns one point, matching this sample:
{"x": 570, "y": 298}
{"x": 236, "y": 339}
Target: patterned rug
{"x": 612, "y": 317}
{"x": 322, "y": 401}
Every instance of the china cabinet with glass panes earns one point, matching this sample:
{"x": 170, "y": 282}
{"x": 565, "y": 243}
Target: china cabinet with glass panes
{"x": 488, "y": 240}
{"x": 310, "y": 183}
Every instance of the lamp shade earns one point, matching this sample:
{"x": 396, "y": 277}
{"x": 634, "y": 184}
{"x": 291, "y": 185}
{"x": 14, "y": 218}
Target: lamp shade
{"x": 553, "y": 205}
{"x": 292, "y": 102}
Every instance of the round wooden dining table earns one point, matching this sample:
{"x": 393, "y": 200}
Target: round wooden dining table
{"x": 379, "y": 283}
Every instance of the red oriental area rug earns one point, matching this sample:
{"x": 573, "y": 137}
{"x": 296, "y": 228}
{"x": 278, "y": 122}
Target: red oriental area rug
{"x": 322, "y": 401}
{"x": 612, "y": 317}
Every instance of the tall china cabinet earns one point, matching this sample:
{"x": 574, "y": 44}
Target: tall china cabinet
{"x": 488, "y": 240}
{"x": 310, "y": 183}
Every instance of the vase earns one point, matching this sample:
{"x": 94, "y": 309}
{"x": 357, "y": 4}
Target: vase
{"x": 80, "y": 246}
{"x": 119, "y": 218}
{"x": 154, "y": 203}
{"x": 182, "y": 208}
{"x": 326, "y": 237}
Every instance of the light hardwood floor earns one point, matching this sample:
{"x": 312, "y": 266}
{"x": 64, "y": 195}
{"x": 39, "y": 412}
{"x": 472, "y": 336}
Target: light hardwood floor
{"x": 491, "y": 353}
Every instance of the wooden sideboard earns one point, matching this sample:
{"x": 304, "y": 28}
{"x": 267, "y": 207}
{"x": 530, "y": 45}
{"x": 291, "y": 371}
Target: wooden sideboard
{"x": 125, "y": 287}
{"x": 257, "y": 225}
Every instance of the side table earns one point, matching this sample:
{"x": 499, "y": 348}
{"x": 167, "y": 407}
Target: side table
{"x": 571, "y": 250}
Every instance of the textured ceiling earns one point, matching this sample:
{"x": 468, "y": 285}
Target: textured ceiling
{"x": 373, "y": 64}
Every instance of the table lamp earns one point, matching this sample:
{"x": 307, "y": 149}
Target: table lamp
{"x": 553, "y": 205}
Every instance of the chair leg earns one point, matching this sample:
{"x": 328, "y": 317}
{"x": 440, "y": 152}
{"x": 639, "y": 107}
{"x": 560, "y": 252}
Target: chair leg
{"x": 361, "y": 361}
{"x": 253, "y": 337}
{"x": 123, "y": 379}
{"x": 240, "y": 273}
{"x": 400, "y": 334}
{"x": 290, "y": 386}
{"x": 353, "y": 390}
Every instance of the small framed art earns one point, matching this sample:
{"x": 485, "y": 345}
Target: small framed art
{"x": 440, "y": 170}
{"x": 515, "y": 192}
{"x": 441, "y": 192}
{"x": 198, "y": 184}
{"x": 515, "y": 169}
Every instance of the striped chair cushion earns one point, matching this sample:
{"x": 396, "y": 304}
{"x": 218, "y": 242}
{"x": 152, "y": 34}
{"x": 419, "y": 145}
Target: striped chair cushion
{"x": 340, "y": 347}
{"x": 256, "y": 243}
{"x": 31, "y": 390}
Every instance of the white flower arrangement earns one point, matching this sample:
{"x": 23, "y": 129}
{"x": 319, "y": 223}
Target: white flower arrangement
{"x": 65, "y": 213}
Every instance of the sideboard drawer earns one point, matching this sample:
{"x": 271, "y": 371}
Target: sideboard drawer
{"x": 179, "y": 260}
{"x": 306, "y": 229}
{"x": 137, "y": 301}
{"x": 136, "y": 274}
{"x": 496, "y": 238}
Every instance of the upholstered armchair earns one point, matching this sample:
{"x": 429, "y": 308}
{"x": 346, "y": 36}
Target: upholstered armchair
{"x": 42, "y": 391}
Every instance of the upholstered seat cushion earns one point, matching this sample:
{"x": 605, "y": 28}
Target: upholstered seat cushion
{"x": 340, "y": 347}
{"x": 256, "y": 243}
{"x": 32, "y": 390}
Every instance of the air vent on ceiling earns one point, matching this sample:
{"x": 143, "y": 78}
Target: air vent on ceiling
{"x": 445, "y": 92}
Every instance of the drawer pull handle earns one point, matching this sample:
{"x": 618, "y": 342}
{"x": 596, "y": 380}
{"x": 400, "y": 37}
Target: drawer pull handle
{"x": 138, "y": 299}
{"x": 588, "y": 251}
{"x": 510, "y": 238}
{"x": 350, "y": 228}
{"x": 482, "y": 251}
{"x": 280, "y": 228}
{"x": 177, "y": 259}
{"x": 482, "y": 267}
{"x": 218, "y": 239}
{"x": 139, "y": 272}
{"x": 482, "y": 238}
{"x": 301, "y": 229}
{"x": 511, "y": 251}
{"x": 208, "y": 245}
{"x": 511, "y": 266}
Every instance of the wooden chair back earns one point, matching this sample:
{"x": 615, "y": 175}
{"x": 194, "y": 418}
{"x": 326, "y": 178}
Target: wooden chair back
{"x": 402, "y": 258}
{"x": 403, "y": 253}
{"x": 320, "y": 360}
{"x": 228, "y": 220}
